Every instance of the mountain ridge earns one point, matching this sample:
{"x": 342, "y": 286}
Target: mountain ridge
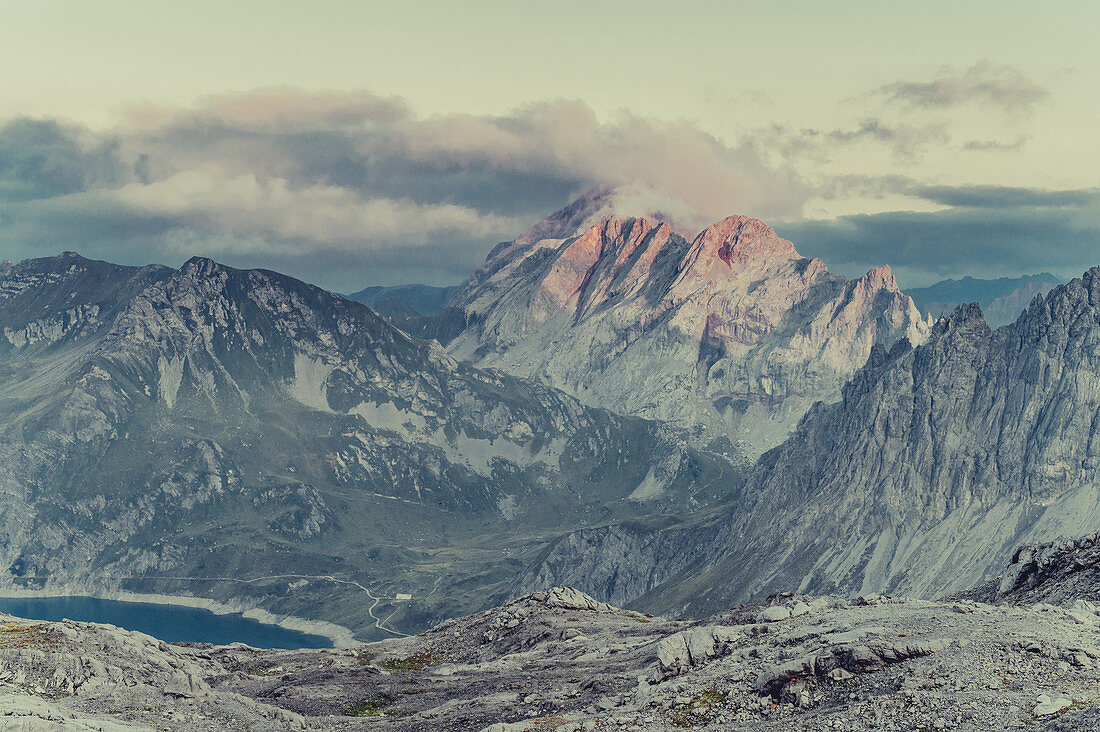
{"x": 213, "y": 422}
{"x": 1002, "y": 300}
{"x": 937, "y": 461}
{"x": 731, "y": 334}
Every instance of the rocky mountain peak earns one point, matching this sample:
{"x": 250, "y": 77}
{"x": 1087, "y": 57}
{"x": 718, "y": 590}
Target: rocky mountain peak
{"x": 620, "y": 203}
{"x": 618, "y": 235}
{"x": 879, "y": 278}
{"x": 966, "y": 321}
{"x": 1091, "y": 280}
{"x": 730, "y": 330}
{"x": 742, "y": 238}
{"x": 200, "y": 266}
{"x": 570, "y": 219}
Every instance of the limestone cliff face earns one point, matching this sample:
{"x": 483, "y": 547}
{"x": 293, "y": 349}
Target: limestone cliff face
{"x": 935, "y": 464}
{"x": 731, "y": 333}
{"x": 939, "y": 460}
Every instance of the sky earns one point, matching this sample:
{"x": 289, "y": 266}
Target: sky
{"x": 361, "y": 143}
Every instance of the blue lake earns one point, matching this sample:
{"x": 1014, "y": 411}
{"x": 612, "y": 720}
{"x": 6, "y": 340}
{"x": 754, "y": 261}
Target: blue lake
{"x": 171, "y": 623}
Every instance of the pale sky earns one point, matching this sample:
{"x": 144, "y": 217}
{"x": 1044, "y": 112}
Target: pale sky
{"x": 818, "y": 112}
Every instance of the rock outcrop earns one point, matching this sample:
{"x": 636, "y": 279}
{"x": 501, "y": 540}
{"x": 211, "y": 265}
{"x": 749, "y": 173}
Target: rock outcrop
{"x": 1059, "y": 572}
{"x": 731, "y": 333}
{"x": 562, "y": 660}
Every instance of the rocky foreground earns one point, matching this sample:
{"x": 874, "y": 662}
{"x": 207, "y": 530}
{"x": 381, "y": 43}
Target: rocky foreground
{"x": 561, "y": 660}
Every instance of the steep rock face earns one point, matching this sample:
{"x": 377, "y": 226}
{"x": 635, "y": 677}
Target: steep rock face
{"x": 617, "y": 563}
{"x": 937, "y": 462}
{"x": 732, "y": 333}
{"x": 213, "y": 422}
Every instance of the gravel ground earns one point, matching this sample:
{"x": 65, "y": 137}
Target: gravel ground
{"x": 560, "y": 660}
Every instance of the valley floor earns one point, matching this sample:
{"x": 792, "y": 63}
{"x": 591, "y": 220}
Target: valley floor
{"x": 560, "y": 660}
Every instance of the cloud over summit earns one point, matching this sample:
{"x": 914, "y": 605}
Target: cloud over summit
{"x": 317, "y": 182}
{"x": 348, "y": 189}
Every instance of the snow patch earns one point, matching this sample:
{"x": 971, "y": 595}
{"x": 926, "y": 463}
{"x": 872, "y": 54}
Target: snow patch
{"x": 508, "y": 507}
{"x": 649, "y": 489}
{"x": 170, "y": 374}
{"x": 308, "y": 386}
{"x": 389, "y": 416}
{"x": 479, "y": 454}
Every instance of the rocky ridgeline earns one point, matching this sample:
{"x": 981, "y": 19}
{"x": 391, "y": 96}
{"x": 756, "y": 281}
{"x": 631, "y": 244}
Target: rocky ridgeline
{"x": 1002, "y": 300}
{"x": 561, "y": 660}
{"x": 936, "y": 463}
{"x": 163, "y": 424}
{"x": 731, "y": 333}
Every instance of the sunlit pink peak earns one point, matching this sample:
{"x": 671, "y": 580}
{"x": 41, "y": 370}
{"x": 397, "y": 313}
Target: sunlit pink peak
{"x": 737, "y": 240}
{"x": 879, "y": 278}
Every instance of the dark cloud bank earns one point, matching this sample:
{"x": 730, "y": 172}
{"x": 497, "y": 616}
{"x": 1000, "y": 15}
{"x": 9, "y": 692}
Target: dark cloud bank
{"x": 352, "y": 189}
{"x": 988, "y": 231}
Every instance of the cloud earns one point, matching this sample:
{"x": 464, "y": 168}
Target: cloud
{"x": 43, "y": 159}
{"x": 350, "y": 189}
{"x": 538, "y": 153}
{"x": 269, "y": 109}
{"x": 325, "y": 215}
{"x": 984, "y": 83}
{"x": 988, "y": 231}
{"x": 904, "y": 140}
{"x": 995, "y": 145}
{"x": 908, "y": 137}
{"x": 345, "y": 187}
{"x": 1002, "y": 197}
{"x": 865, "y": 186}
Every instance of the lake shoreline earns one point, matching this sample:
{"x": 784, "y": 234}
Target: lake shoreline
{"x": 340, "y": 636}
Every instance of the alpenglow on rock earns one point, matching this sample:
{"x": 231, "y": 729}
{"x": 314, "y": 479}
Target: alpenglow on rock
{"x": 732, "y": 333}
{"x": 935, "y": 465}
{"x": 209, "y": 422}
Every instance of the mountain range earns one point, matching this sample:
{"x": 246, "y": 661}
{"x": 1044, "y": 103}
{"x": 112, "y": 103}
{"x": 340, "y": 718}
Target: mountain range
{"x": 1002, "y": 300}
{"x": 730, "y": 334}
{"x": 937, "y": 461}
{"x": 411, "y": 299}
{"x": 240, "y": 435}
{"x": 667, "y": 420}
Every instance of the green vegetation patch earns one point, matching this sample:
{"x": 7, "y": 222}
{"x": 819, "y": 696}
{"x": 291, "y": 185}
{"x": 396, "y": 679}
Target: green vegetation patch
{"x": 415, "y": 662}
{"x": 698, "y": 710}
{"x": 372, "y": 707}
